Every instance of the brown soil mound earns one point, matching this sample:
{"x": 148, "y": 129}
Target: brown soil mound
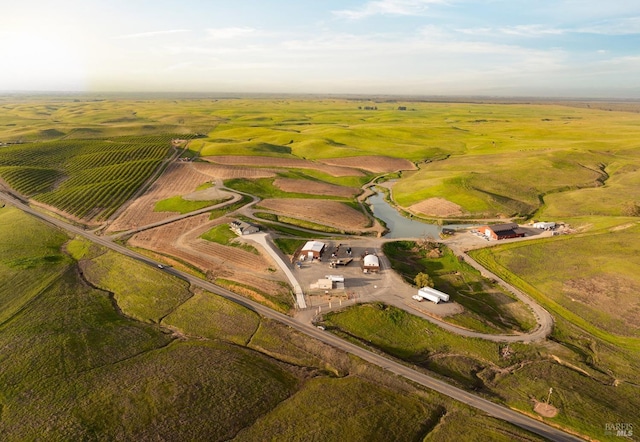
{"x": 260, "y": 161}
{"x": 438, "y": 207}
{"x": 328, "y": 213}
{"x": 373, "y": 163}
{"x": 314, "y": 187}
{"x": 544, "y": 409}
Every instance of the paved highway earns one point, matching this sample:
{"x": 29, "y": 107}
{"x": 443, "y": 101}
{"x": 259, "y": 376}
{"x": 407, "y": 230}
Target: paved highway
{"x": 484, "y": 405}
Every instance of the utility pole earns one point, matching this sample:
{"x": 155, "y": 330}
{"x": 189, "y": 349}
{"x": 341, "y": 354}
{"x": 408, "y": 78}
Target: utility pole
{"x": 549, "y": 396}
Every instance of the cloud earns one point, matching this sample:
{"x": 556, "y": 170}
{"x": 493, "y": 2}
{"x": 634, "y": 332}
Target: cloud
{"x": 622, "y": 26}
{"x": 230, "y": 33}
{"x": 151, "y": 34}
{"x": 533, "y": 30}
{"x": 388, "y": 7}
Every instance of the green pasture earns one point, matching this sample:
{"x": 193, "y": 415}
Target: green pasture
{"x": 289, "y": 245}
{"x": 379, "y": 415}
{"x": 30, "y": 260}
{"x": 222, "y": 234}
{"x": 589, "y": 279}
{"x": 212, "y": 317}
{"x": 141, "y": 291}
{"x": 492, "y": 159}
{"x": 581, "y": 391}
{"x": 182, "y": 206}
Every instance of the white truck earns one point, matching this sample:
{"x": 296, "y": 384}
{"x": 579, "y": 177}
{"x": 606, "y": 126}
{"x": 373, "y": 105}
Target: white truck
{"x": 431, "y": 294}
{"x": 428, "y": 296}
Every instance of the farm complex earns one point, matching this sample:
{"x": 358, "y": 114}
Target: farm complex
{"x": 524, "y": 281}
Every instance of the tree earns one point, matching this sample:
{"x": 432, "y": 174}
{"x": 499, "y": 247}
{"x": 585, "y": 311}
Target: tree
{"x": 423, "y": 280}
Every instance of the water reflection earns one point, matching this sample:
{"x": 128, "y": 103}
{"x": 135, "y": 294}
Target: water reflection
{"x": 398, "y": 225}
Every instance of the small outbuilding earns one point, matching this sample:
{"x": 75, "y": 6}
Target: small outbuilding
{"x": 544, "y": 225}
{"x": 313, "y": 249}
{"x": 242, "y": 228}
{"x": 322, "y": 284}
{"x": 502, "y": 231}
{"x": 370, "y": 263}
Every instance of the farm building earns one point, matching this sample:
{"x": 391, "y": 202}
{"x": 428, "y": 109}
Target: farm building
{"x": 544, "y": 226}
{"x": 241, "y": 228}
{"x": 312, "y": 249}
{"x": 502, "y": 231}
{"x": 322, "y": 284}
{"x": 370, "y": 263}
{"x": 329, "y": 282}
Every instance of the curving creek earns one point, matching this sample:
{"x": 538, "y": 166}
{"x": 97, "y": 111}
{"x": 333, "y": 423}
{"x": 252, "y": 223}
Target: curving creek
{"x": 398, "y": 225}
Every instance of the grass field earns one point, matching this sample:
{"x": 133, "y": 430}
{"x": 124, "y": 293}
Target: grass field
{"x": 182, "y": 206}
{"x": 222, "y": 234}
{"x": 75, "y": 368}
{"x": 488, "y": 308}
{"x": 594, "y": 294}
{"x": 491, "y": 159}
{"x": 586, "y": 396}
{"x": 29, "y": 249}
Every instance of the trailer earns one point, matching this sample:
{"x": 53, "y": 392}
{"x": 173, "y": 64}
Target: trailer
{"x": 433, "y": 292}
{"x": 339, "y": 262}
{"x": 429, "y": 297}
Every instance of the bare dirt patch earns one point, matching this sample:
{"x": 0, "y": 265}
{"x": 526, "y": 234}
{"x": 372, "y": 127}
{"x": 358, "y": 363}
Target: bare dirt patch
{"x": 328, "y": 213}
{"x": 314, "y": 187}
{"x": 438, "y": 207}
{"x": 181, "y": 240}
{"x": 295, "y": 163}
{"x": 614, "y": 295}
{"x": 372, "y": 163}
{"x": 544, "y": 409}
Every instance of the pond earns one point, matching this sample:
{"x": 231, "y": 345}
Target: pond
{"x": 398, "y": 225}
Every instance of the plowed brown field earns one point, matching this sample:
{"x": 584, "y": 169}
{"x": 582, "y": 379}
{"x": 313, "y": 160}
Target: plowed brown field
{"x": 260, "y": 161}
{"x": 181, "y": 240}
{"x": 438, "y": 207}
{"x": 180, "y": 178}
{"x": 229, "y": 172}
{"x": 375, "y": 164}
{"x": 329, "y": 213}
{"x": 314, "y": 187}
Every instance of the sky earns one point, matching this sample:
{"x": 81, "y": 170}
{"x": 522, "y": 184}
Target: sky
{"x": 548, "y": 48}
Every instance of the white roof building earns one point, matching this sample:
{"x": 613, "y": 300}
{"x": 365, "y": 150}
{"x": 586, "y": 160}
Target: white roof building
{"x": 313, "y": 249}
{"x": 371, "y": 262}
